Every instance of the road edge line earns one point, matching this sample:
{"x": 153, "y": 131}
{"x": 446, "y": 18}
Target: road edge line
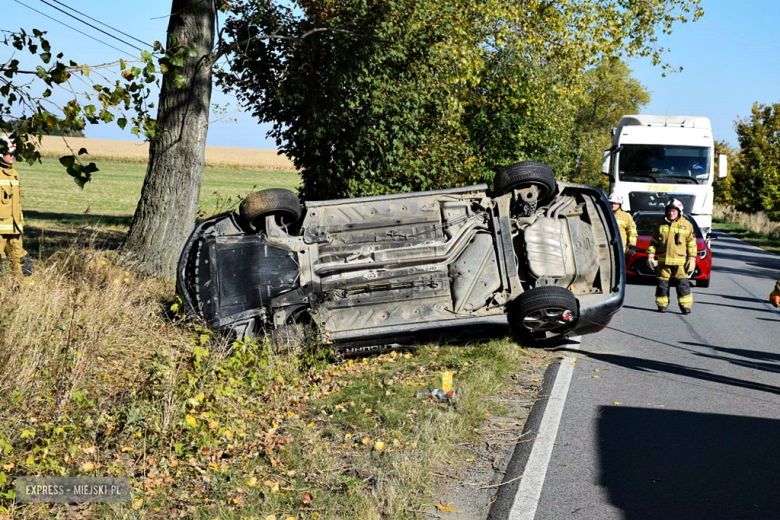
{"x": 519, "y": 497}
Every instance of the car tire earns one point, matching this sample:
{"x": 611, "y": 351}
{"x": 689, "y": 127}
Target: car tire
{"x": 274, "y": 201}
{"x": 703, "y": 283}
{"x": 525, "y": 174}
{"x": 540, "y": 311}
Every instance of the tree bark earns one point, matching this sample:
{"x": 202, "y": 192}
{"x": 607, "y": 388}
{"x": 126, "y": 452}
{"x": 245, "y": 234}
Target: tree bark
{"x": 169, "y": 198}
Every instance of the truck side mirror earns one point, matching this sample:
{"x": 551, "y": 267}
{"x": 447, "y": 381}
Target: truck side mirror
{"x": 723, "y": 166}
{"x": 605, "y": 163}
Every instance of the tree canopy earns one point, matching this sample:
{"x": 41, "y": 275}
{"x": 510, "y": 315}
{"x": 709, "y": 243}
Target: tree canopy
{"x": 754, "y": 180}
{"x": 398, "y": 96}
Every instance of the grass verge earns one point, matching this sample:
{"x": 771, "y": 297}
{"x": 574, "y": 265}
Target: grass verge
{"x": 761, "y": 240}
{"x": 98, "y": 377}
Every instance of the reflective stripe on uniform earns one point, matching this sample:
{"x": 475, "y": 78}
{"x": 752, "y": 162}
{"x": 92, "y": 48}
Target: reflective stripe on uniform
{"x": 685, "y": 301}
{"x": 9, "y": 183}
{"x": 662, "y": 301}
{"x": 672, "y": 261}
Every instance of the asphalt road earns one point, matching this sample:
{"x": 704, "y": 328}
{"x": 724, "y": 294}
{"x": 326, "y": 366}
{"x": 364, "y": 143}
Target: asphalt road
{"x": 676, "y": 417}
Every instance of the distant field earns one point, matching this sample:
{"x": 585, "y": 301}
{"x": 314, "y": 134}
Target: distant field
{"x": 115, "y": 189}
{"x": 138, "y": 152}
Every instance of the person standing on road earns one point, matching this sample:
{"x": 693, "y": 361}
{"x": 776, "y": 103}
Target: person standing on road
{"x": 625, "y": 223}
{"x": 11, "y": 218}
{"x": 774, "y": 296}
{"x": 675, "y": 244}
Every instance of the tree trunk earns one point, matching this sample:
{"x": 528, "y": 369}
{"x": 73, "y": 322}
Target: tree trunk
{"x": 169, "y": 199}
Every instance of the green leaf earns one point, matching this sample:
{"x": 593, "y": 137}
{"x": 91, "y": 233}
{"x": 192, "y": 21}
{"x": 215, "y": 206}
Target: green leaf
{"x": 41, "y": 71}
{"x": 121, "y": 122}
{"x": 46, "y": 57}
{"x": 83, "y": 151}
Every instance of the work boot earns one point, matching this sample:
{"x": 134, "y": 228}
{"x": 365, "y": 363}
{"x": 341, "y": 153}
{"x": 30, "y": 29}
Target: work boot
{"x": 685, "y": 310}
{"x": 661, "y": 309}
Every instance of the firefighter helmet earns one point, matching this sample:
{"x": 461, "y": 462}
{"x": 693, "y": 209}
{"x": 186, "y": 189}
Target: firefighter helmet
{"x": 10, "y": 144}
{"x": 616, "y": 199}
{"x": 676, "y": 204}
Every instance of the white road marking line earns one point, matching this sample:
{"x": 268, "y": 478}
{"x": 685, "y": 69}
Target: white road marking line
{"x": 530, "y": 489}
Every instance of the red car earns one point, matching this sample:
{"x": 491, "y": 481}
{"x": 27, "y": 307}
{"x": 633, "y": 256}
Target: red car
{"x": 646, "y": 224}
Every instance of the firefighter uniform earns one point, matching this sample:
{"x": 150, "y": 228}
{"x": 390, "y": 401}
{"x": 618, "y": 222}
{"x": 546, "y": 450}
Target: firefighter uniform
{"x": 11, "y": 217}
{"x": 627, "y": 229}
{"x": 774, "y": 296}
{"x": 673, "y": 244}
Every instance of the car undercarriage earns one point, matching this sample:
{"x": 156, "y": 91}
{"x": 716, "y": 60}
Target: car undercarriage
{"x": 540, "y": 258}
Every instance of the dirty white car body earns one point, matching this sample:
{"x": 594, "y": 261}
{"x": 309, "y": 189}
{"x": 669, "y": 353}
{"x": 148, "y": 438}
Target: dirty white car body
{"x": 534, "y": 256}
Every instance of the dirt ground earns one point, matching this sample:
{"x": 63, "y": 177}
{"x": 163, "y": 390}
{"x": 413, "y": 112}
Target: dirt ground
{"x": 467, "y": 493}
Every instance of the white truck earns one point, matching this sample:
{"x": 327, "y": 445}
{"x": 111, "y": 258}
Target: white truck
{"x": 656, "y": 158}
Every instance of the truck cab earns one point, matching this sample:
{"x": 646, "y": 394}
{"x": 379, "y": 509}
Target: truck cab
{"x": 656, "y": 158}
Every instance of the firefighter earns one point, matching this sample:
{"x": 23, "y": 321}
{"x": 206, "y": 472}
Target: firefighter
{"x": 774, "y": 296}
{"x": 625, "y": 223}
{"x": 674, "y": 242}
{"x": 11, "y": 218}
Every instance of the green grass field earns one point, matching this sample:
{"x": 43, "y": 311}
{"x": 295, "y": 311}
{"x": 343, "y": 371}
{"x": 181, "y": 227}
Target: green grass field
{"x": 59, "y": 214}
{"x": 50, "y": 194}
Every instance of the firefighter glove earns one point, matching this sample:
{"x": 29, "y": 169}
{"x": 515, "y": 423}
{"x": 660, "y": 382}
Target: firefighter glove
{"x": 651, "y": 261}
{"x": 631, "y": 250}
{"x": 690, "y": 264}
{"x": 774, "y": 298}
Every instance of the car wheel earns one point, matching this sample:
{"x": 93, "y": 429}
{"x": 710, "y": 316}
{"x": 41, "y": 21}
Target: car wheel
{"x": 524, "y": 175}
{"x": 542, "y": 310}
{"x": 703, "y": 283}
{"x": 274, "y": 201}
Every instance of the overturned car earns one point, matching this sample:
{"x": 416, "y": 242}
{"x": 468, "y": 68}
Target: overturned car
{"x": 536, "y": 257}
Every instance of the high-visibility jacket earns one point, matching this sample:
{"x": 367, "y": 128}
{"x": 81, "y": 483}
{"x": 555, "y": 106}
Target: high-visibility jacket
{"x": 673, "y": 242}
{"x": 627, "y": 228}
{"x": 11, "y": 217}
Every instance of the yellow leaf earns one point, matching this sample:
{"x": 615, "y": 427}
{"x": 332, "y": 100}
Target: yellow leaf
{"x": 469, "y": 460}
{"x": 379, "y": 445}
{"x": 87, "y": 466}
{"x": 365, "y": 441}
{"x": 446, "y": 509}
{"x": 290, "y": 518}
{"x": 596, "y": 370}
{"x": 213, "y": 465}
{"x": 617, "y": 403}
{"x": 252, "y": 482}
{"x": 595, "y": 377}
{"x": 191, "y": 420}
{"x": 138, "y": 503}
{"x": 310, "y": 425}
{"x": 270, "y": 517}
{"x": 89, "y": 450}
{"x": 126, "y": 449}
{"x": 368, "y": 410}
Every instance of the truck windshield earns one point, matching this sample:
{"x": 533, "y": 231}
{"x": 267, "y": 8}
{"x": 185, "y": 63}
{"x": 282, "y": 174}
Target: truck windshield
{"x": 664, "y": 163}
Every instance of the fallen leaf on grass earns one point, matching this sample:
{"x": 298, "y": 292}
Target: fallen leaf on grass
{"x": 307, "y": 498}
{"x": 446, "y": 509}
{"x": 379, "y": 445}
{"x": 87, "y": 466}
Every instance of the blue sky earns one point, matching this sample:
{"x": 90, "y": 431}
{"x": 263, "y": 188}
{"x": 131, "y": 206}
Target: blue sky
{"x": 730, "y": 60}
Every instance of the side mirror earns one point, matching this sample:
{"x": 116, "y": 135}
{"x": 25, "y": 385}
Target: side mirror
{"x": 723, "y": 166}
{"x": 605, "y": 163}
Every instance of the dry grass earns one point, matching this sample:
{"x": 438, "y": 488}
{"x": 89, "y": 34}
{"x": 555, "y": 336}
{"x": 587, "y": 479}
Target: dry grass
{"x": 79, "y": 322}
{"x": 138, "y": 152}
{"x": 756, "y": 222}
{"x": 97, "y": 378}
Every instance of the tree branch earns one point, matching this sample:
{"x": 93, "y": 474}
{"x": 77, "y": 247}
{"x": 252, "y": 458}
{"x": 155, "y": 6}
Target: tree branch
{"x": 237, "y": 45}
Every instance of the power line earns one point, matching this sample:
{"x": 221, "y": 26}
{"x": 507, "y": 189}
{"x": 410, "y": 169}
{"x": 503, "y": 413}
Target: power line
{"x": 69, "y": 27}
{"x": 104, "y": 24}
{"x": 96, "y": 28}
